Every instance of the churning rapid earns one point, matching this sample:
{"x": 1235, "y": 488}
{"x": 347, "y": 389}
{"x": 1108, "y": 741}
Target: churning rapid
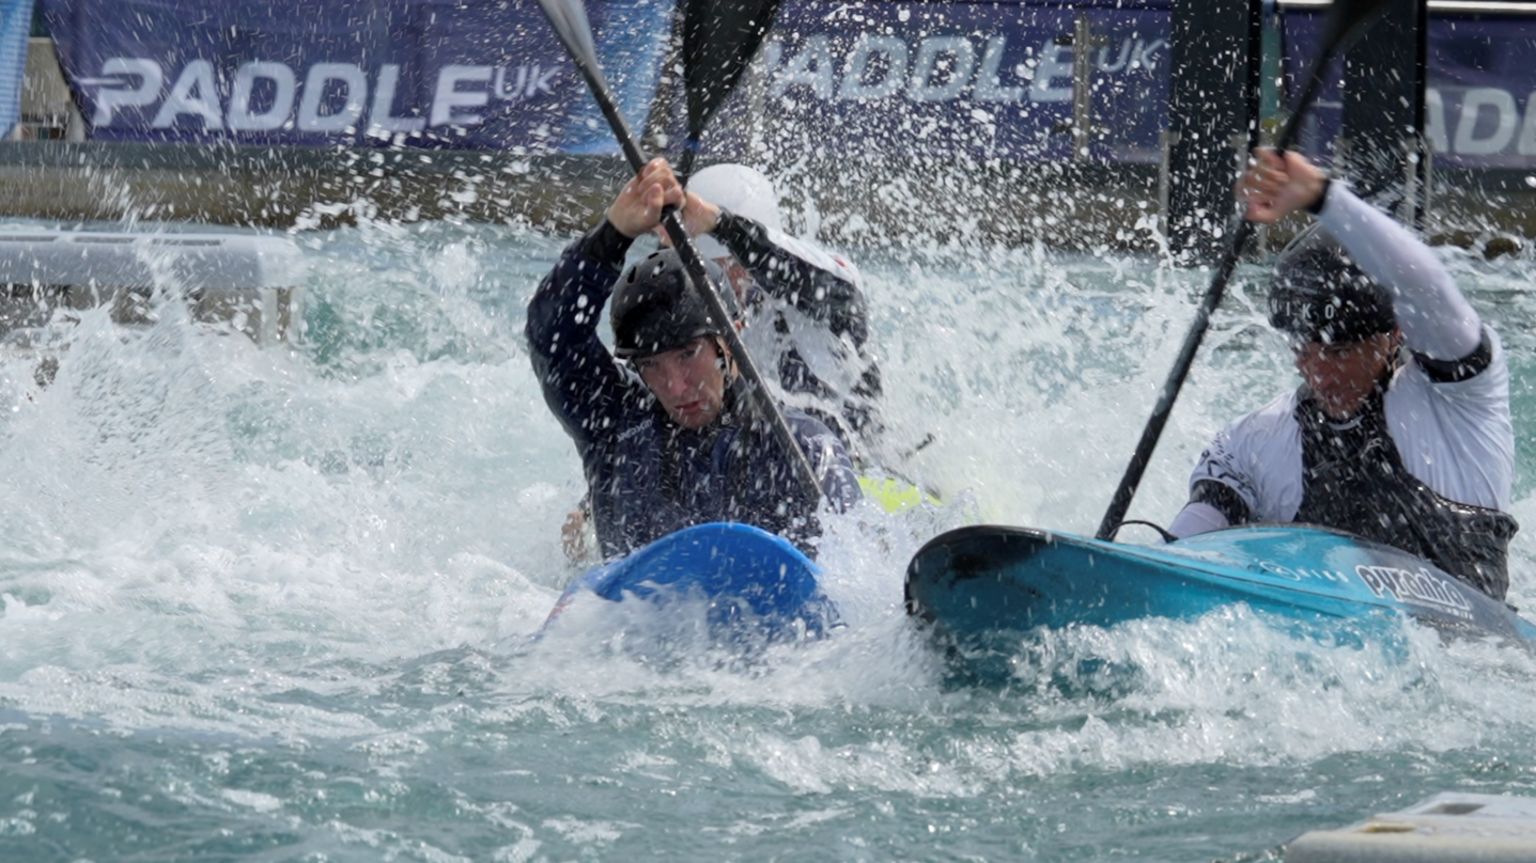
{"x": 274, "y": 604}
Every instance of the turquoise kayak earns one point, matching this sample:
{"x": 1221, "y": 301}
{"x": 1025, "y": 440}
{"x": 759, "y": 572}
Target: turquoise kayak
{"x": 755, "y": 585}
{"x": 982, "y": 587}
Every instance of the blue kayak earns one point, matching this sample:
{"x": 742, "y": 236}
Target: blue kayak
{"x": 983, "y": 586}
{"x": 755, "y": 584}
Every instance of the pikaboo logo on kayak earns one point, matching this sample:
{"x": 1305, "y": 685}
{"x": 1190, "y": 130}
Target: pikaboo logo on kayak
{"x": 1420, "y": 588}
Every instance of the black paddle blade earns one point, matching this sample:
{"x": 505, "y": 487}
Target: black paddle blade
{"x": 720, "y": 38}
{"x": 1346, "y": 20}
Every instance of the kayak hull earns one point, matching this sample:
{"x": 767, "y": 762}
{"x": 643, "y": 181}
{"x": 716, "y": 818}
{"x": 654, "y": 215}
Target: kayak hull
{"x": 753, "y": 583}
{"x": 982, "y": 586}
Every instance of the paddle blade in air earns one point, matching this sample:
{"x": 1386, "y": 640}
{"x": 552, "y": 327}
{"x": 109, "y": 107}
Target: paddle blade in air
{"x": 720, "y": 37}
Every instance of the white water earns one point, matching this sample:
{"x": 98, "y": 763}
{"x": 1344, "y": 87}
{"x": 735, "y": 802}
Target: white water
{"x": 274, "y": 603}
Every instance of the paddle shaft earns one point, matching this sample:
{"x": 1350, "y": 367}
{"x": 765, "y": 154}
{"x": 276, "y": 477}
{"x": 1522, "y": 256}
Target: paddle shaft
{"x": 684, "y": 167}
{"x": 761, "y": 398}
{"x": 1240, "y": 230}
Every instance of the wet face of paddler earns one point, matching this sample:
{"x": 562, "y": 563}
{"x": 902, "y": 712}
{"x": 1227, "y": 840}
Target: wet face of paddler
{"x": 1342, "y": 374}
{"x": 689, "y": 381}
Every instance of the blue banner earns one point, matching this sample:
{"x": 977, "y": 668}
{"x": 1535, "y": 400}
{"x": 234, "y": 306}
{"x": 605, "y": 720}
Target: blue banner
{"x": 997, "y": 81}
{"x": 980, "y": 80}
{"x": 1480, "y": 99}
{"x": 15, "y": 24}
{"x": 985, "y": 81}
{"x": 475, "y": 74}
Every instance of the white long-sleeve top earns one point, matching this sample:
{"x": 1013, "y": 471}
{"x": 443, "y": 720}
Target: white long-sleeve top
{"x": 1456, "y": 436}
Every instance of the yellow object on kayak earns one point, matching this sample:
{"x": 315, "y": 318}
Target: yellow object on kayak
{"x": 894, "y": 494}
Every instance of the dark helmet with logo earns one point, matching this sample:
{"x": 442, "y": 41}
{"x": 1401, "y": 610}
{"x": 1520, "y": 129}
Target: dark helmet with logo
{"x": 655, "y": 308}
{"x": 1320, "y": 295}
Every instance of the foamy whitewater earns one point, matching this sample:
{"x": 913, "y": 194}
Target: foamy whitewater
{"x": 274, "y": 604}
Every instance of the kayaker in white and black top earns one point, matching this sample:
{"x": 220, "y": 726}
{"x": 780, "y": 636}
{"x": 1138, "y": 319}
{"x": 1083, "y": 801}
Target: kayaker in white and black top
{"x": 1400, "y": 432}
{"x": 805, "y": 307}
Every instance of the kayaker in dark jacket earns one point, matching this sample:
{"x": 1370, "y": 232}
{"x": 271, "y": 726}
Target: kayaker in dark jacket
{"x": 662, "y": 425}
{"x": 1401, "y": 431}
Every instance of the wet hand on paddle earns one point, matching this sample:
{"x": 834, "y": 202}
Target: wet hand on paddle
{"x": 1274, "y": 186}
{"x": 699, "y": 217}
{"x": 639, "y": 205}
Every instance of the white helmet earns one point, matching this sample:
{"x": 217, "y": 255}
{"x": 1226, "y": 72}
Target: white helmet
{"x": 742, "y": 190}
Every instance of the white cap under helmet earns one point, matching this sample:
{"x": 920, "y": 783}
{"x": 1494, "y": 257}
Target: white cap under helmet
{"x": 742, "y": 190}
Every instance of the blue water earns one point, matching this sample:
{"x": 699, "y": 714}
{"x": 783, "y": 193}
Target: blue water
{"x": 272, "y": 604}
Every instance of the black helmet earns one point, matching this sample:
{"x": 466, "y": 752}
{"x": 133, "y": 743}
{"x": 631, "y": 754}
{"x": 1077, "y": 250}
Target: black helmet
{"x": 655, "y": 308}
{"x": 1320, "y": 295}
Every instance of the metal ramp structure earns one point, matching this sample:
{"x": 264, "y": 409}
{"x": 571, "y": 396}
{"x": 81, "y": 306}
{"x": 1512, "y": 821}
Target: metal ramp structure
{"x": 249, "y": 282}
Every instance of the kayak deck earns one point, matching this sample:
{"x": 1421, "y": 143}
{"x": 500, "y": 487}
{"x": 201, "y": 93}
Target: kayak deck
{"x": 983, "y": 580}
{"x": 753, "y": 583}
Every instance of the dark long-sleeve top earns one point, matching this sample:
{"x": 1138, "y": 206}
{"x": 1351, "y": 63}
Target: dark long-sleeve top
{"x": 816, "y": 327}
{"x": 647, "y": 476}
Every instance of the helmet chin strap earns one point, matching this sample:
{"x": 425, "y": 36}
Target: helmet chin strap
{"x": 726, "y": 362}
{"x": 1395, "y": 359}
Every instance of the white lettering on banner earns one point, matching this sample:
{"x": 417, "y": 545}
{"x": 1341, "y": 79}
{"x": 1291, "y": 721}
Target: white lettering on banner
{"x": 382, "y": 122}
{"x": 943, "y": 67}
{"x": 120, "y": 94}
{"x": 1135, "y": 55}
{"x": 893, "y": 55}
{"x": 1505, "y": 115}
{"x": 320, "y": 77}
{"x": 240, "y": 117}
{"x": 193, "y": 93}
{"x": 499, "y": 85}
{"x": 1118, "y": 65}
{"x": 137, "y": 83}
{"x": 1526, "y": 146}
{"x": 1144, "y": 57}
{"x": 812, "y": 67}
{"x": 530, "y": 81}
{"x": 952, "y": 58}
{"x": 989, "y": 82}
{"x": 449, "y": 97}
{"x": 1055, "y": 62}
{"x": 1490, "y": 109}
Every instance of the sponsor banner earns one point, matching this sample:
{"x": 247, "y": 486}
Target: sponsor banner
{"x": 987, "y": 80}
{"x": 1480, "y": 104}
{"x": 475, "y": 74}
{"x": 1480, "y": 100}
{"x": 15, "y": 24}
{"x": 998, "y": 80}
